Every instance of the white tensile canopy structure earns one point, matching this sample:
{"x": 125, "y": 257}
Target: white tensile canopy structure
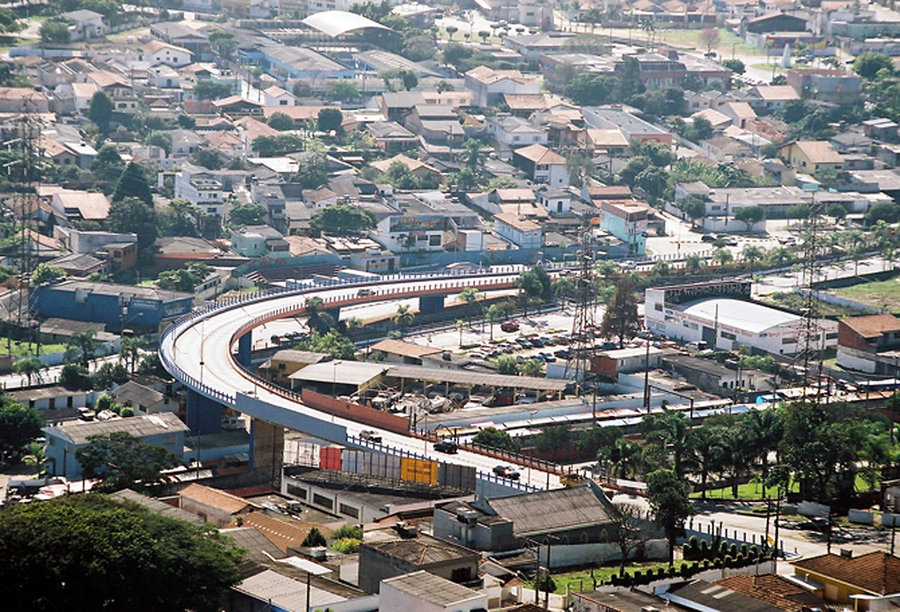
{"x": 339, "y": 23}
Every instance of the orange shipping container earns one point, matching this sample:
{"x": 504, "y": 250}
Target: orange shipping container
{"x": 330, "y": 458}
{"x": 418, "y": 470}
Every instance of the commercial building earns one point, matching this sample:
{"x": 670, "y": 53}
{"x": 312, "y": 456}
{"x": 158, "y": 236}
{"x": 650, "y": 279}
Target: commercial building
{"x": 164, "y": 429}
{"x": 869, "y": 344}
{"x": 116, "y": 306}
{"x": 426, "y": 592}
{"x": 626, "y": 220}
{"x": 722, "y": 315}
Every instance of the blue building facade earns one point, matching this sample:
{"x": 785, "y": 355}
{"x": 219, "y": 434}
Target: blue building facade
{"x": 116, "y": 306}
{"x": 164, "y": 429}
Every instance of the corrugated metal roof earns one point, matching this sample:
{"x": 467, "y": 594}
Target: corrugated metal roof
{"x": 138, "y": 426}
{"x": 555, "y": 510}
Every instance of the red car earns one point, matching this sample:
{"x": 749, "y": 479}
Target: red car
{"x": 509, "y": 326}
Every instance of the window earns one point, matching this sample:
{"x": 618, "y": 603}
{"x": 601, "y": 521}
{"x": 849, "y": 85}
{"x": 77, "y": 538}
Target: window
{"x": 834, "y": 335}
{"x": 349, "y": 510}
{"x": 789, "y": 340}
{"x": 434, "y": 241}
{"x": 728, "y": 336}
{"x": 296, "y": 491}
{"x": 321, "y": 500}
{"x": 657, "y": 307}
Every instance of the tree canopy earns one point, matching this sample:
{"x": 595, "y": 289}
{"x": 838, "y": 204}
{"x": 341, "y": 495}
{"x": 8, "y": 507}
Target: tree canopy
{"x": 91, "y": 552}
{"x": 495, "y": 438}
{"x": 122, "y": 461}
{"x": 621, "y": 318}
{"x": 19, "y": 425}
{"x": 342, "y": 219}
{"x": 670, "y": 504}
{"x": 133, "y": 184}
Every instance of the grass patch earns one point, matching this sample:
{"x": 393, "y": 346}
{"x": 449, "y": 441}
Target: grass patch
{"x": 884, "y": 295}
{"x": 691, "y": 38}
{"x": 579, "y": 580}
{"x": 25, "y": 349}
{"x": 796, "y": 302}
{"x": 765, "y": 66}
{"x": 752, "y": 491}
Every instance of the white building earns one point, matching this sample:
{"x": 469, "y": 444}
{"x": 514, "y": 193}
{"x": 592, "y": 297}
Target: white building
{"x": 276, "y": 96}
{"x": 425, "y": 592}
{"x": 85, "y": 24}
{"x": 489, "y": 86}
{"x": 720, "y": 314}
{"x": 524, "y": 233}
{"x": 158, "y": 52}
{"x": 512, "y": 132}
{"x": 198, "y": 186}
{"x": 555, "y": 201}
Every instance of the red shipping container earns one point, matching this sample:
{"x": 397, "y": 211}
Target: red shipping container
{"x": 330, "y": 458}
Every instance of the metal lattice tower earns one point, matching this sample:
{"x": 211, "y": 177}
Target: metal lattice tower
{"x": 585, "y": 299}
{"x": 810, "y": 330}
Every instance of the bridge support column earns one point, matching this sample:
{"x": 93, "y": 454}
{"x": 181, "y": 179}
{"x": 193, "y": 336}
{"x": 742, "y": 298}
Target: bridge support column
{"x": 429, "y": 304}
{"x": 203, "y": 415}
{"x": 245, "y": 345}
{"x": 266, "y": 450}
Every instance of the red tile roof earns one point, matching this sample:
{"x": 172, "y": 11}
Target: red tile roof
{"x": 877, "y": 573}
{"x": 872, "y": 326}
{"x": 772, "y": 589}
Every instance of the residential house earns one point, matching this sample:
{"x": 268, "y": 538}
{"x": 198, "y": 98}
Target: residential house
{"x": 157, "y": 52}
{"x": 213, "y": 505}
{"x": 396, "y": 105}
{"x": 72, "y": 205}
{"x": 631, "y": 126}
{"x": 531, "y": 13}
{"x": 259, "y": 241}
{"x": 609, "y": 141}
{"x": 276, "y": 96}
{"x": 84, "y": 25}
{"x": 869, "y": 344}
{"x": 826, "y": 84}
{"x": 542, "y": 165}
{"x": 867, "y": 582}
{"x": 198, "y": 186}
{"x": 556, "y": 201}
{"x": 772, "y": 97}
{"x": 424, "y": 173}
{"x": 436, "y": 123}
{"x": 119, "y": 90}
{"x": 164, "y": 429}
{"x": 403, "y": 352}
{"x": 185, "y": 36}
{"x": 391, "y": 137}
{"x": 512, "y": 132}
{"x": 164, "y": 76}
{"x": 426, "y": 592}
{"x": 627, "y": 220}
{"x": 23, "y": 100}
{"x": 610, "y": 364}
{"x": 489, "y": 86}
{"x": 144, "y": 400}
{"x": 522, "y": 232}
{"x": 810, "y": 156}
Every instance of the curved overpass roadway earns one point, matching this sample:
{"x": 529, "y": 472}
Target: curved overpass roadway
{"x": 197, "y": 349}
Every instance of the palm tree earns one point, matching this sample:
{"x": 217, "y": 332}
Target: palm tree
{"x": 693, "y": 263}
{"x": 763, "y": 431}
{"x": 494, "y": 314}
{"x": 81, "y": 347}
{"x": 751, "y": 254}
{"x": 36, "y": 457}
{"x": 779, "y": 256}
{"x": 29, "y": 366}
{"x": 722, "y": 256}
{"x": 469, "y": 295}
{"x": 472, "y": 155}
{"x": 403, "y": 318}
{"x": 130, "y": 351}
{"x": 460, "y": 324}
{"x": 706, "y": 448}
{"x": 317, "y": 318}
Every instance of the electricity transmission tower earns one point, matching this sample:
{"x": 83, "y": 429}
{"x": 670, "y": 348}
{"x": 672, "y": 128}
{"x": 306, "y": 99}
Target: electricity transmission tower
{"x": 585, "y": 300}
{"x": 810, "y": 341}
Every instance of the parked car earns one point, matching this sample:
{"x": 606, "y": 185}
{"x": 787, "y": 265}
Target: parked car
{"x": 364, "y": 292}
{"x": 446, "y": 446}
{"x": 509, "y": 326}
{"x": 562, "y": 353}
{"x": 708, "y": 238}
{"x": 371, "y": 436}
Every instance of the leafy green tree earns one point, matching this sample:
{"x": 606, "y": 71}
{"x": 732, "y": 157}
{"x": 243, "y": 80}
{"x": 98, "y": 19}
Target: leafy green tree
{"x": 130, "y": 351}
{"x": 135, "y": 215}
{"x": 342, "y": 220}
{"x": 332, "y": 342}
{"x": 19, "y": 425}
{"x": 506, "y": 364}
{"x": 280, "y": 122}
{"x": 344, "y": 91}
{"x": 74, "y": 376}
{"x": 836, "y": 210}
{"x": 670, "y": 504}
{"x": 670, "y": 430}
{"x": 553, "y": 439}
{"x": 184, "y": 279}
{"x": 750, "y": 215}
{"x": 653, "y": 182}
{"x": 208, "y": 158}
{"x": 314, "y": 538}
{"x": 473, "y": 155}
{"x": 632, "y": 169}
{"x": 160, "y": 139}
{"x": 621, "y": 317}
{"x": 30, "y": 366}
{"x": 590, "y": 89}
{"x": 532, "y": 367}
{"x": 884, "y": 211}
{"x": 107, "y": 376}
{"x": 133, "y": 184}
{"x": 183, "y": 566}
{"x": 122, "y": 461}
{"x": 869, "y": 64}
{"x": 108, "y": 164}
{"x": 454, "y": 54}
{"x": 313, "y": 173}
{"x": 180, "y": 218}
{"x": 45, "y": 272}
{"x": 100, "y": 110}
{"x": 496, "y": 438}
{"x": 247, "y": 214}
{"x": 205, "y": 89}
{"x": 55, "y": 31}
{"x": 330, "y": 120}
{"x": 735, "y": 65}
